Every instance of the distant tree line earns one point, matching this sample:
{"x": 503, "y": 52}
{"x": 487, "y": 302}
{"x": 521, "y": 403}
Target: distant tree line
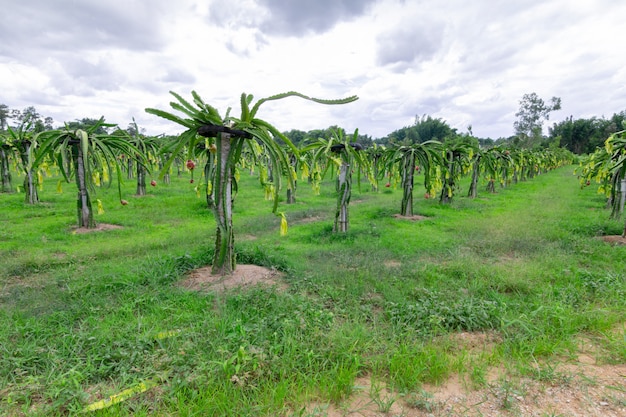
{"x": 32, "y": 121}
{"x": 583, "y": 136}
{"x": 300, "y": 137}
{"x": 28, "y": 116}
{"x": 580, "y": 136}
{"x": 36, "y": 122}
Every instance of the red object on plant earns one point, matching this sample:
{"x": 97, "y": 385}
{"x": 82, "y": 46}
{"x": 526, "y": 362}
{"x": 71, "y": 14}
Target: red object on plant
{"x": 123, "y": 202}
{"x": 190, "y": 164}
{"x": 191, "y": 181}
{"x": 588, "y": 182}
{"x": 388, "y": 185}
{"x": 153, "y": 183}
{"x": 426, "y": 196}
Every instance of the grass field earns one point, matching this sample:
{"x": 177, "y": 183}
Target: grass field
{"x": 87, "y": 316}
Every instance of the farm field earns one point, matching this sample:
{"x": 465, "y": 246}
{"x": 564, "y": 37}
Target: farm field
{"x": 508, "y": 304}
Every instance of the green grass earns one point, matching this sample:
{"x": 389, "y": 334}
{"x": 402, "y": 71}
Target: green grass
{"x": 82, "y": 316}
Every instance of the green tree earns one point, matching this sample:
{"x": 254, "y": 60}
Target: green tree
{"x": 617, "y": 122}
{"x": 148, "y": 150}
{"x": 574, "y": 134}
{"x": 424, "y": 157}
{"x": 5, "y": 114}
{"x": 496, "y": 164}
{"x": 615, "y": 146}
{"x": 344, "y": 153}
{"x": 457, "y": 157}
{"x": 297, "y": 137}
{"x": 351, "y": 160}
{"x": 583, "y": 136}
{"x": 90, "y": 158}
{"x": 531, "y": 115}
{"x": 377, "y": 161}
{"x": 423, "y": 129}
{"x": 25, "y": 144}
{"x": 5, "y": 163}
{"x": 30, "y": 117}
{"x": 89, "y": 124}
{"x": 607, "y": 167}
{"x": 231, "y": 135}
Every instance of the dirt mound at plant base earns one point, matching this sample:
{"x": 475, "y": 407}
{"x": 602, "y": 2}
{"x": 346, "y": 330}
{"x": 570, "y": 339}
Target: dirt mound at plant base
{"x": 614, "y": 239}
{"x": 415, "y": 217}
{"x": 244, "y": 275}
{"x": 100, "y": 227}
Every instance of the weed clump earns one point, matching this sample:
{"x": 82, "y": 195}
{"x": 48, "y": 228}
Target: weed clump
{"x": 432, "y": 311}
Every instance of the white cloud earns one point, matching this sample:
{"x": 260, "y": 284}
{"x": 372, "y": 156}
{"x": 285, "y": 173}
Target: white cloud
{"x": 468, "y": 63}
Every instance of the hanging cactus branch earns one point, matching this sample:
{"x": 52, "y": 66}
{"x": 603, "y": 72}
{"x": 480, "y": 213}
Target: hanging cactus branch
{"x": 203, "y": 120}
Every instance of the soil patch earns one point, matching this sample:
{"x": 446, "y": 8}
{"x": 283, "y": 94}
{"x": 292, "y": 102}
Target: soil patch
{"x": 310, "y": 219}
{"x": 414, "y": 218}
{"x": 567, "y": 387}
{"x": 99, "y": 228}
{"x": 36, "y": 281}
{"x": 244, "y": 276}
{"x": 614, "y": 239}
{"x": 474, "y": 342}
{"x": 577, "y": 390}
{"x": 391, "y": 263}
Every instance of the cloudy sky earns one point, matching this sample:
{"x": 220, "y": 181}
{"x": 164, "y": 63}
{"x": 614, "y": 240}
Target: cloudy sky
{"x": 466, "y": 62}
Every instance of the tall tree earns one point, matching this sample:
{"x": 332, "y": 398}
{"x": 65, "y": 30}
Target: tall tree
{"x": 583, "y": 136}
{"x": 618, "y": 122}
{"x": 531, "y": 115}
{"x": 579, "y": 136}
{"x": 32, "y": 118}
{"x": 424, "y": 129}
{"x": 86, "y": 123}
{"x": 296, "y": 136}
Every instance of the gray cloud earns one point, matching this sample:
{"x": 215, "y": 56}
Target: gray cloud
{"x": 40, "y": 98}
{"x": 70, "y": 25}
{"x": 469, "y": 63}
{"x": 297, "y": 18}
{"x": 246, "y": 45}
{"x": 177, "y": 75}
{"x": 78, "y": 76}
{"x": 404, "y": 45}
{"x": 287, "y": 17}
